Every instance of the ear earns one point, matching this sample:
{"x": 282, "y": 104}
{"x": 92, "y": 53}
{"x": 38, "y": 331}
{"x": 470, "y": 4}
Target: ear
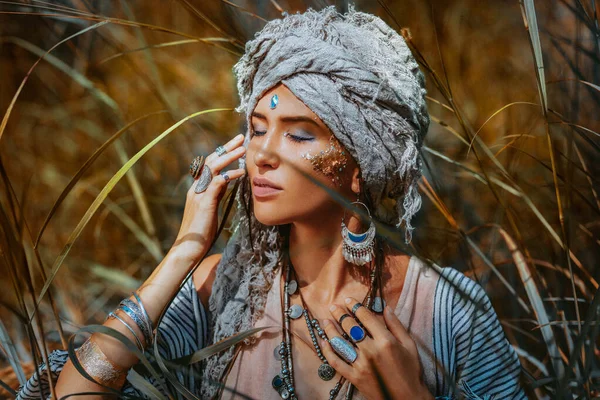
{"x": 356, "y": 181}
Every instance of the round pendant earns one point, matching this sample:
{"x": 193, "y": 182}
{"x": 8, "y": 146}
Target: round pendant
{"x": 284, "y": 394}
{"x": 292, "y": 287}
{"x": 378, "y": 305}
{"x": 326, "y": 372}
{"x": 277, "y": 382}
{"x": 295, "y": 311}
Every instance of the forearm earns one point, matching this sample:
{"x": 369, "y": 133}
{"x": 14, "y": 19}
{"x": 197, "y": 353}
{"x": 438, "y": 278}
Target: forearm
{"x": 155, "y": 292}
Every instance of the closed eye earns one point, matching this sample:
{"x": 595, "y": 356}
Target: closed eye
{"x": 299, "y": 139}
{"x": 294, "y": 138}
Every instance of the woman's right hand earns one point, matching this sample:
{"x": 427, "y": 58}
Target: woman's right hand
{"x": 199, "y": 224}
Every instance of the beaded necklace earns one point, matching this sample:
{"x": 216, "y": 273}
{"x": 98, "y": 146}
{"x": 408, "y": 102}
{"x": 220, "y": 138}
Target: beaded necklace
{"x": 283, "y": 383}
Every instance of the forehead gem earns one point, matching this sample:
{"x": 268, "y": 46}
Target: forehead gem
{"x": 274, "y": 101}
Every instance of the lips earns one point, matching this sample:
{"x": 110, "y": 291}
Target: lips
{"x": 262, "y": 187}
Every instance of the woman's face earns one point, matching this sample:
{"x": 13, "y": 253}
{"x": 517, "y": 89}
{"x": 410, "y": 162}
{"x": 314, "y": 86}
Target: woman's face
{"x": 286, "y": 140}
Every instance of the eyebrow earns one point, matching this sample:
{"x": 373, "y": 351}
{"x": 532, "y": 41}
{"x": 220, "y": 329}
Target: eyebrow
{"x": 298, "y": 118}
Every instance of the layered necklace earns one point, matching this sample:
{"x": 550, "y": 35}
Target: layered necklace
{"x": 283, "y": 382}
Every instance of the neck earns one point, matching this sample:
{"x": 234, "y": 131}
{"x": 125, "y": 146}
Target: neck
{"x": 323, "y": 274}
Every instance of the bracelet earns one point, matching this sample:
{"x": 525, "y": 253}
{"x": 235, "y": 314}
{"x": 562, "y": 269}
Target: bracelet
{"x": 98, "y": 366}
{"x": 137, "y": 297}
{"x": 137, "y": 339}
{"x": 146, "y": 317}
{"x": 134, "y": 312}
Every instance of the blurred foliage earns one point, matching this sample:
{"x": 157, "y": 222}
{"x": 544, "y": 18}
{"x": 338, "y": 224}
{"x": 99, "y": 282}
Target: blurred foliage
{"x": 510, "y": 186}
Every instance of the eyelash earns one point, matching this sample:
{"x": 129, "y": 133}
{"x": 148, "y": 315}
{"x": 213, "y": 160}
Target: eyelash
{"x": 297, "y": 139}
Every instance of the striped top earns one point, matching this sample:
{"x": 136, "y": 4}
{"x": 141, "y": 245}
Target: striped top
{"x": 461, "y": 344}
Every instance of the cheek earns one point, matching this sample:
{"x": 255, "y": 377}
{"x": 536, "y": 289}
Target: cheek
{"x": 331, "y": 163}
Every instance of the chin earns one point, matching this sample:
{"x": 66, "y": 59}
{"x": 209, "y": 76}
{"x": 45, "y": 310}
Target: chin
{"x": 270, "y": 215}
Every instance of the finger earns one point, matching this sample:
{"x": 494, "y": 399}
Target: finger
{"x": 231, "y": 145}
{"x": 216, "y": 185}
{"x": 368, "y": 319}
{"x": 219, "y": 182}
{"x": 349, "y": 324}
{"x": 218, "y": 164}
{"x": 397, "y": 329}
{"x": 216, "y": 167}
{"x": 339, "y": 364}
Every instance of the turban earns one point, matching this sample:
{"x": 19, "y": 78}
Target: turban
{"x": 360, "y": 78}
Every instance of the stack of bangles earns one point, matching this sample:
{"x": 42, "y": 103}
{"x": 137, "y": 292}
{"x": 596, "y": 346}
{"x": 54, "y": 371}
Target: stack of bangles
{"x": 95, "y": 362}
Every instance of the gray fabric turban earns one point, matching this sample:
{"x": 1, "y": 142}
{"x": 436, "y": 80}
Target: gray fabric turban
{"x": 360, "y": 78}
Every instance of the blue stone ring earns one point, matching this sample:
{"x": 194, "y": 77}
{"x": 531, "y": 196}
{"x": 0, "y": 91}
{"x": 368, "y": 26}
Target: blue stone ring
{"x": 357, "y": 334}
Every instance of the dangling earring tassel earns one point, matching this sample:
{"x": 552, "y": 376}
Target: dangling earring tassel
{"x": 358, "y": 249}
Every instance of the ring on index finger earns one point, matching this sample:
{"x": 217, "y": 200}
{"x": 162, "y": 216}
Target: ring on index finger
{"x": 204, "y": 180}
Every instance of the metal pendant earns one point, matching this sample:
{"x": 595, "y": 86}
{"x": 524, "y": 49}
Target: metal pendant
{"x": 378, "y": 305}
{"x": 295, "y": 311}
{"x": 326, "y": 372}
{"x": 284, "y": 394}
{"x": 277, "y": 382}
{"x": 292, "y": 287}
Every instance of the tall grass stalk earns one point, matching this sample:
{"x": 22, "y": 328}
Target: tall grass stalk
{"x": 510, "y": 182}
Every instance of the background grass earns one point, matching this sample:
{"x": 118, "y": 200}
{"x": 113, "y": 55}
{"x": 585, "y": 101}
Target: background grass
{"x": 510, "y": 187}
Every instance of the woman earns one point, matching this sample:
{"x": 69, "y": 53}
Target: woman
{"x": 334, "y": 104}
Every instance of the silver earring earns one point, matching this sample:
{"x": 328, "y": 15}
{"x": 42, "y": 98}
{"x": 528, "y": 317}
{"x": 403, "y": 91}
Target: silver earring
{"x": 358, "y": 248}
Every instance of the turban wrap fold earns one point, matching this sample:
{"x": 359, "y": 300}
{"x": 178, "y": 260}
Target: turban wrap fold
{"x": 359, "y": 76}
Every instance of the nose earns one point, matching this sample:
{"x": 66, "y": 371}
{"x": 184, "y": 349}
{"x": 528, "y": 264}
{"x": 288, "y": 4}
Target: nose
{"x": 266, "y": 153}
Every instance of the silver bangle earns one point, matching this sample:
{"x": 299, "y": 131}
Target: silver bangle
{"x": 146, "y": 316}
{"x": 134, "y": 312}
{"x": 137, "y": 339}
{"x": 139, "y": 300}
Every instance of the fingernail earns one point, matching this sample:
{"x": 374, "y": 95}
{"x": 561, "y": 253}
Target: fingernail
{"x": 348, "y": 300}
{"x": 325, "y": 323}
{"x": 332, "y": 307}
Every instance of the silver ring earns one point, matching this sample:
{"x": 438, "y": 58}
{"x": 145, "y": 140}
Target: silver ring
{"x": 356, "y": 307}
{"x": 343, "y": 348}
{"x": 220, "y": 151}
{"x": 343, "y": 317}
{"x": 225, "y": 176}
{"x": 204, "y": 180}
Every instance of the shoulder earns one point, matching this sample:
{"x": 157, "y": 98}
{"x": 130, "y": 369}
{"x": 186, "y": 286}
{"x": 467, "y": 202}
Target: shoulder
{"x": 468, "y": 332}
{"x": 204, "y": 276}
{"x": 463, "y": 300}
{"x": 458, "y": 289}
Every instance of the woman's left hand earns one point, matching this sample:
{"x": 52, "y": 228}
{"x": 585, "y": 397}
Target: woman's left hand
{"x": 387, "y": 365}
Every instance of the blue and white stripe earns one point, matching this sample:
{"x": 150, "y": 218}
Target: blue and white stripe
{"x": 475, "y": 360}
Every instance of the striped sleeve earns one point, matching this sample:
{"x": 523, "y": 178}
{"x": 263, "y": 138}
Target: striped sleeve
{"x": 475, "y": 360}
{"x": 183, "y": 331}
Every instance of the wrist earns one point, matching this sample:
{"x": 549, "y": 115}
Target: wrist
{"x": 184, "y": 258}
